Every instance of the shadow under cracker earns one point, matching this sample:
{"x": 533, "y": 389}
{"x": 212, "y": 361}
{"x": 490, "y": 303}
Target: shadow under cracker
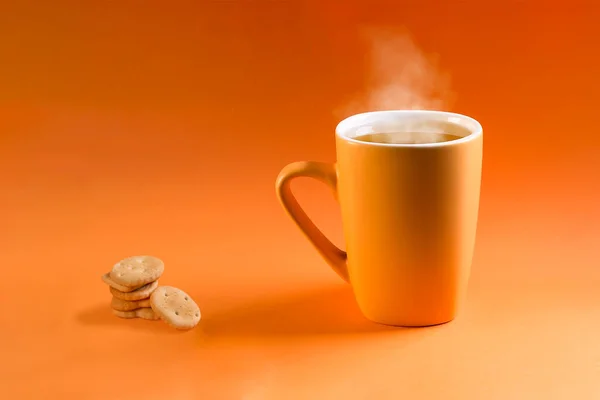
{"x": 101, "y": 315}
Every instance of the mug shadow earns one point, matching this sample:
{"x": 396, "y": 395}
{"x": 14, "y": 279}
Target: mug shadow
{"x": 331, "y": 310}
{"x": 101, "y": 315}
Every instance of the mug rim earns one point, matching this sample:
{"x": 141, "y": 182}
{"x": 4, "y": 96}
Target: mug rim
{"x": 352, "y": 122}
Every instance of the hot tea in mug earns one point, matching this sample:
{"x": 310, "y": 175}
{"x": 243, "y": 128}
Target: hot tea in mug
{"x": 408, "y": 186}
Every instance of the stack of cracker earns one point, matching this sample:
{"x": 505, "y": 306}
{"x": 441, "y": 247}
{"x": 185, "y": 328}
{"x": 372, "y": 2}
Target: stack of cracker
{"x": 133, "y": 284}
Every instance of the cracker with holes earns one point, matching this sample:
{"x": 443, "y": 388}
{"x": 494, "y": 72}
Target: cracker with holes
{"x": 124, "y": 305}
{"x": 143, "y": 313}
{"x": 137, "y": 271}
{"x": 139, "y": 294}
{"x": 175, "y": 307}
{"x": 107, "y": 279}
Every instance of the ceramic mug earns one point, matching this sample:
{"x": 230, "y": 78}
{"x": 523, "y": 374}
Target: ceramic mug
{"x": 409, "y": 213}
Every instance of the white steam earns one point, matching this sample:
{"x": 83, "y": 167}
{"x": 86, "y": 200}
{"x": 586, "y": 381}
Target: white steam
{"x": 401, "y": 76}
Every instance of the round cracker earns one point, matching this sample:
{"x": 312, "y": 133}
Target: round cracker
{"x": 106, "y": 279}
{"x": 137, "y": 270}
{"x": 142, "y": 293}
{"x": 175, "y": 307}
{"x": 124, "y": 305}
{"x": 143, "y": 313}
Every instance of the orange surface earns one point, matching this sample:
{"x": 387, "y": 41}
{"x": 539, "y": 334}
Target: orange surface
{"x": 131, "y": 128}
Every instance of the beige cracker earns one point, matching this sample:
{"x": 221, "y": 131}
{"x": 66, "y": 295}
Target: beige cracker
{"x": 106, "y": 279}
{"x": 124, "y": 305}
{"x": 144, "y": 313}
{"x": 136, "y": 271}
{"x": 139, "y": 294}
{"x": 175, "y": 307}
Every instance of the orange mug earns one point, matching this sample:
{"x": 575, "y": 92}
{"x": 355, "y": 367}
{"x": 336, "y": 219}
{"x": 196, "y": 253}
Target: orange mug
{"x": 408, "y": 186}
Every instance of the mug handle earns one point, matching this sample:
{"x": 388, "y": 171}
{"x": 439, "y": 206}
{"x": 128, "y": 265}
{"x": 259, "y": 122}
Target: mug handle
{"x": 325, "y": 173}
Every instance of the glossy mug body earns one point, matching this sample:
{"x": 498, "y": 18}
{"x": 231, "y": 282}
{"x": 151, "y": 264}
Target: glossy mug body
{"x": 409, "y": 214}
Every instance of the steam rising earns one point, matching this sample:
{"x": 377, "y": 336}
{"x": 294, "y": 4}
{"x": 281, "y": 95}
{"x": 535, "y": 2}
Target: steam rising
{"x": 400, "y": 76}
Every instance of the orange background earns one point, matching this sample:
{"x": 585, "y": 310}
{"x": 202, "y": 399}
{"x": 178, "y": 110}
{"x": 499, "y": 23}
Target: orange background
{"x": 145, "y": 128}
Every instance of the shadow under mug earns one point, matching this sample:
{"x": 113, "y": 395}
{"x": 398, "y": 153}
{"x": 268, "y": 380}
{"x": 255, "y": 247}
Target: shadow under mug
{"x": 409, "y": 213}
